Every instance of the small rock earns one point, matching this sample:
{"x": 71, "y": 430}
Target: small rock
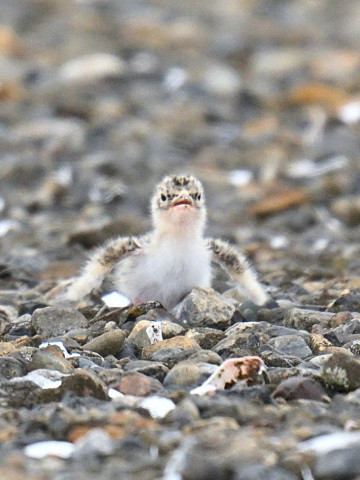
{"x": 11, "y": 367}
{"x": 138, "y": 384}
{"x": 305, "y": 319}
{"x": 108, "y": 343}
{"x": 84, "y": 383}
{"x": 348, "y": 302}
{"x": 52, "y": 359}
{"x": 152, "y": 369}
{"x": 341, "y": 372}
{"x": 139, "y": 334}
{"x": 52, "y": 321}
{"x": 344, "y": 333}
{"x": 189, "y": 374}
{"x": 206, "y": 337}
{"x": 178, "y": 343}
{"x": 205, "y": 308}
{"x": 293, "y": 345}
{"x": 294, "y": 388}
{"x": 92, "y": 67}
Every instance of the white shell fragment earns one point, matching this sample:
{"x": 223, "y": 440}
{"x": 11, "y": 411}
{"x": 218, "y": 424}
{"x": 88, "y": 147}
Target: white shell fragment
{"x": 44, "y": 449}
{"x": 44, "y": 378}
{"x": 229, "y": 372}
{"x": 154, "y": 332}
{"x": 327, "y": 443}
{"x": 114, "y": 393}
{"x": 60, "y": 344}
{"x": 158, "y": 407}
{"x": 115, "y": 300}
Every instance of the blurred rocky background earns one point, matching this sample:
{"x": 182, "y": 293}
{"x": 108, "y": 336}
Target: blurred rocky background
{"x": 259, "y": 99}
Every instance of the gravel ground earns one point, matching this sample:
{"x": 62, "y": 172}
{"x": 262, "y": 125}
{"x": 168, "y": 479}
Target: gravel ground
{"x": 261, "y": 101}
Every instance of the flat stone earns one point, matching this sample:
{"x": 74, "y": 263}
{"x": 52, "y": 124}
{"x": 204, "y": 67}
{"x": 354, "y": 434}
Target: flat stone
{"x": 293, "y": 345}
{"x": 152, "y": 369}
{"x": 176, "y": 343}
{"x": 52, "y": 321}
{"x": 138, "y": 384}
{"x": 305, "y": 319}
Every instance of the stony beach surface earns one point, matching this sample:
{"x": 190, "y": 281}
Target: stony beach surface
{"x": 260, "y": 100}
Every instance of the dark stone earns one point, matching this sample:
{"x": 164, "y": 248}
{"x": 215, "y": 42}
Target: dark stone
{"x": 294, "y": 388}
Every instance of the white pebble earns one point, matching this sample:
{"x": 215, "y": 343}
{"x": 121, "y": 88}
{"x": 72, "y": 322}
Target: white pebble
{"x": 114, "y": 393}
{"x": 92, "y": 67}
{"x": 158, "y": 407}
{"x": 44, "y": 449}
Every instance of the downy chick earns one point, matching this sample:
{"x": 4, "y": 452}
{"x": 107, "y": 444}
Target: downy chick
{"x": 173, "y": 258}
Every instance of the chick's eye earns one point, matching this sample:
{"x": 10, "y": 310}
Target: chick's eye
{"x": 163, "y": 198}
{"x": 199, "y": 196}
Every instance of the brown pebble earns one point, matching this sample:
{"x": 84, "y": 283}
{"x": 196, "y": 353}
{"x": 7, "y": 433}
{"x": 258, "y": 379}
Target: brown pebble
{"x": 138, "y": 384}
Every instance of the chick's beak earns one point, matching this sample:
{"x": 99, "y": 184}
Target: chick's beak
{"x": 183, "y": 199}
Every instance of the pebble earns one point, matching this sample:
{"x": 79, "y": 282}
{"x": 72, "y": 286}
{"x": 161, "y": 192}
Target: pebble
{"x": 138, "y": 384}
{"x": 175, "y": 344}
{"x": 92, "y": 67}
{"x": 52, "y": 321}
{"x": 188, "y": 374}
{"x": 152, "y": 369}
{"x": 341, "y": 372}
{"x": 205, "y": 308}
{"x": 293, "y": 345}
{"x": 108, "y": 343}
{"x": 50, "y": 358}
{"x": 295, "y": 388}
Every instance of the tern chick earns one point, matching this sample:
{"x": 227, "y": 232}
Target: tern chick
{"x": 167, "y": 263}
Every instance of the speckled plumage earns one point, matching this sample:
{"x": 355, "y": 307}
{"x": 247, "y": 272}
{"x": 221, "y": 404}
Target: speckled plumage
{"x": 173, "y": 258}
